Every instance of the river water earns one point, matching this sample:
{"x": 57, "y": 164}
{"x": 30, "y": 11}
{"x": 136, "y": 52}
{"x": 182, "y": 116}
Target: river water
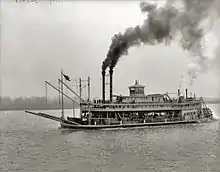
{"x": 29, "y": 143}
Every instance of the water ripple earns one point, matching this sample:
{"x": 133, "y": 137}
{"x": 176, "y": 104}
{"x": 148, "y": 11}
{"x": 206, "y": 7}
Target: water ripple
{"x": 30, "y": 143}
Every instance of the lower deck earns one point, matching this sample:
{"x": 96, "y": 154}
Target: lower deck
{"x": 101, "y": 120}
{"x": 97, "y": 127}
{"x": 126, "y": 117}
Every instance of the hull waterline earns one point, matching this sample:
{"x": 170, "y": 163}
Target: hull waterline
{"x": 97, "y": 127}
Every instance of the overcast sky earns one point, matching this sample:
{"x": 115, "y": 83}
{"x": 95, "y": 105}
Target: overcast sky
{"x": 38, "y": 39}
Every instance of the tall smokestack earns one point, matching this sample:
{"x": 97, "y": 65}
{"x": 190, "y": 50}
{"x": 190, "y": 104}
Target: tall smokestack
{"x": 186, "y": 93}
{"x": 103, "y": 86}
{"x": 110, "y": 73}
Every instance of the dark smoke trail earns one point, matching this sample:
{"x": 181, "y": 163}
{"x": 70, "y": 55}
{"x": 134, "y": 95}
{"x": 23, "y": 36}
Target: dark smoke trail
{"x": 216, "y": 60}
{"x": 154, "y": 30}
{"x": 161, "y": 26}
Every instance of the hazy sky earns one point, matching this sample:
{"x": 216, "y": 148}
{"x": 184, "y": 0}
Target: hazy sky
{"x": 38, "y": 39}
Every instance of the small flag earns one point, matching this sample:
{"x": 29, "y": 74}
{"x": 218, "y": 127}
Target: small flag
{"x": 66, "y": 77}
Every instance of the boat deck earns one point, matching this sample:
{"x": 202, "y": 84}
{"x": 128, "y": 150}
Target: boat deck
{"x": 161, "y": 106}
{"x": 97, "y": 127}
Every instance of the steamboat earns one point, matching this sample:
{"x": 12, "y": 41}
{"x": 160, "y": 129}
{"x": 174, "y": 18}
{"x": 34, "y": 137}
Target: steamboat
{"x": 134, "y": 110}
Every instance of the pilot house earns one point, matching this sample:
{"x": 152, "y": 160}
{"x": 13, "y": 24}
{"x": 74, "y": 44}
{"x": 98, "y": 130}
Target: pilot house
{"x": 137, "y": 95}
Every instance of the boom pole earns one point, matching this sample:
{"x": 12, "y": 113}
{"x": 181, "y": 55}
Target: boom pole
{"x": 45, "y": 93}
{"x": 72, "y": 91}
{"x": 62, "y": 107}
{"x": 61, "y": 92}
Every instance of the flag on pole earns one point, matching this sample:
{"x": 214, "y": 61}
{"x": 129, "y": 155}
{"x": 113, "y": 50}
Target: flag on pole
{"x": 66, "y": 87}
{"x": 66, "y": 77}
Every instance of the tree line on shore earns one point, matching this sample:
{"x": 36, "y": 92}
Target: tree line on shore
{"x": 34, "y": 103}
{"x": 42, "y": 103}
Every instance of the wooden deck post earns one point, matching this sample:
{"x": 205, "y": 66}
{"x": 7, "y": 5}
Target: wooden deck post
{"x": 172, "y": 115}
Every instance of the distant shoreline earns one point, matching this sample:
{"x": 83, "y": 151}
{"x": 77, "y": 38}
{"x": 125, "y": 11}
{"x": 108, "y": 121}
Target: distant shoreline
{"x": 33, "y": 103}
{"x": 33, "y": 109}
{"x": 212, "y": 102}
{"x": 38, "y": 103}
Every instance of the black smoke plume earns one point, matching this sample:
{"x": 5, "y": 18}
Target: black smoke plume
{"x": 177, "y": 18}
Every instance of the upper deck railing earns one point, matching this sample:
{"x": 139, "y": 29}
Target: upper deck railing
{"x": 143, "y": 106}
